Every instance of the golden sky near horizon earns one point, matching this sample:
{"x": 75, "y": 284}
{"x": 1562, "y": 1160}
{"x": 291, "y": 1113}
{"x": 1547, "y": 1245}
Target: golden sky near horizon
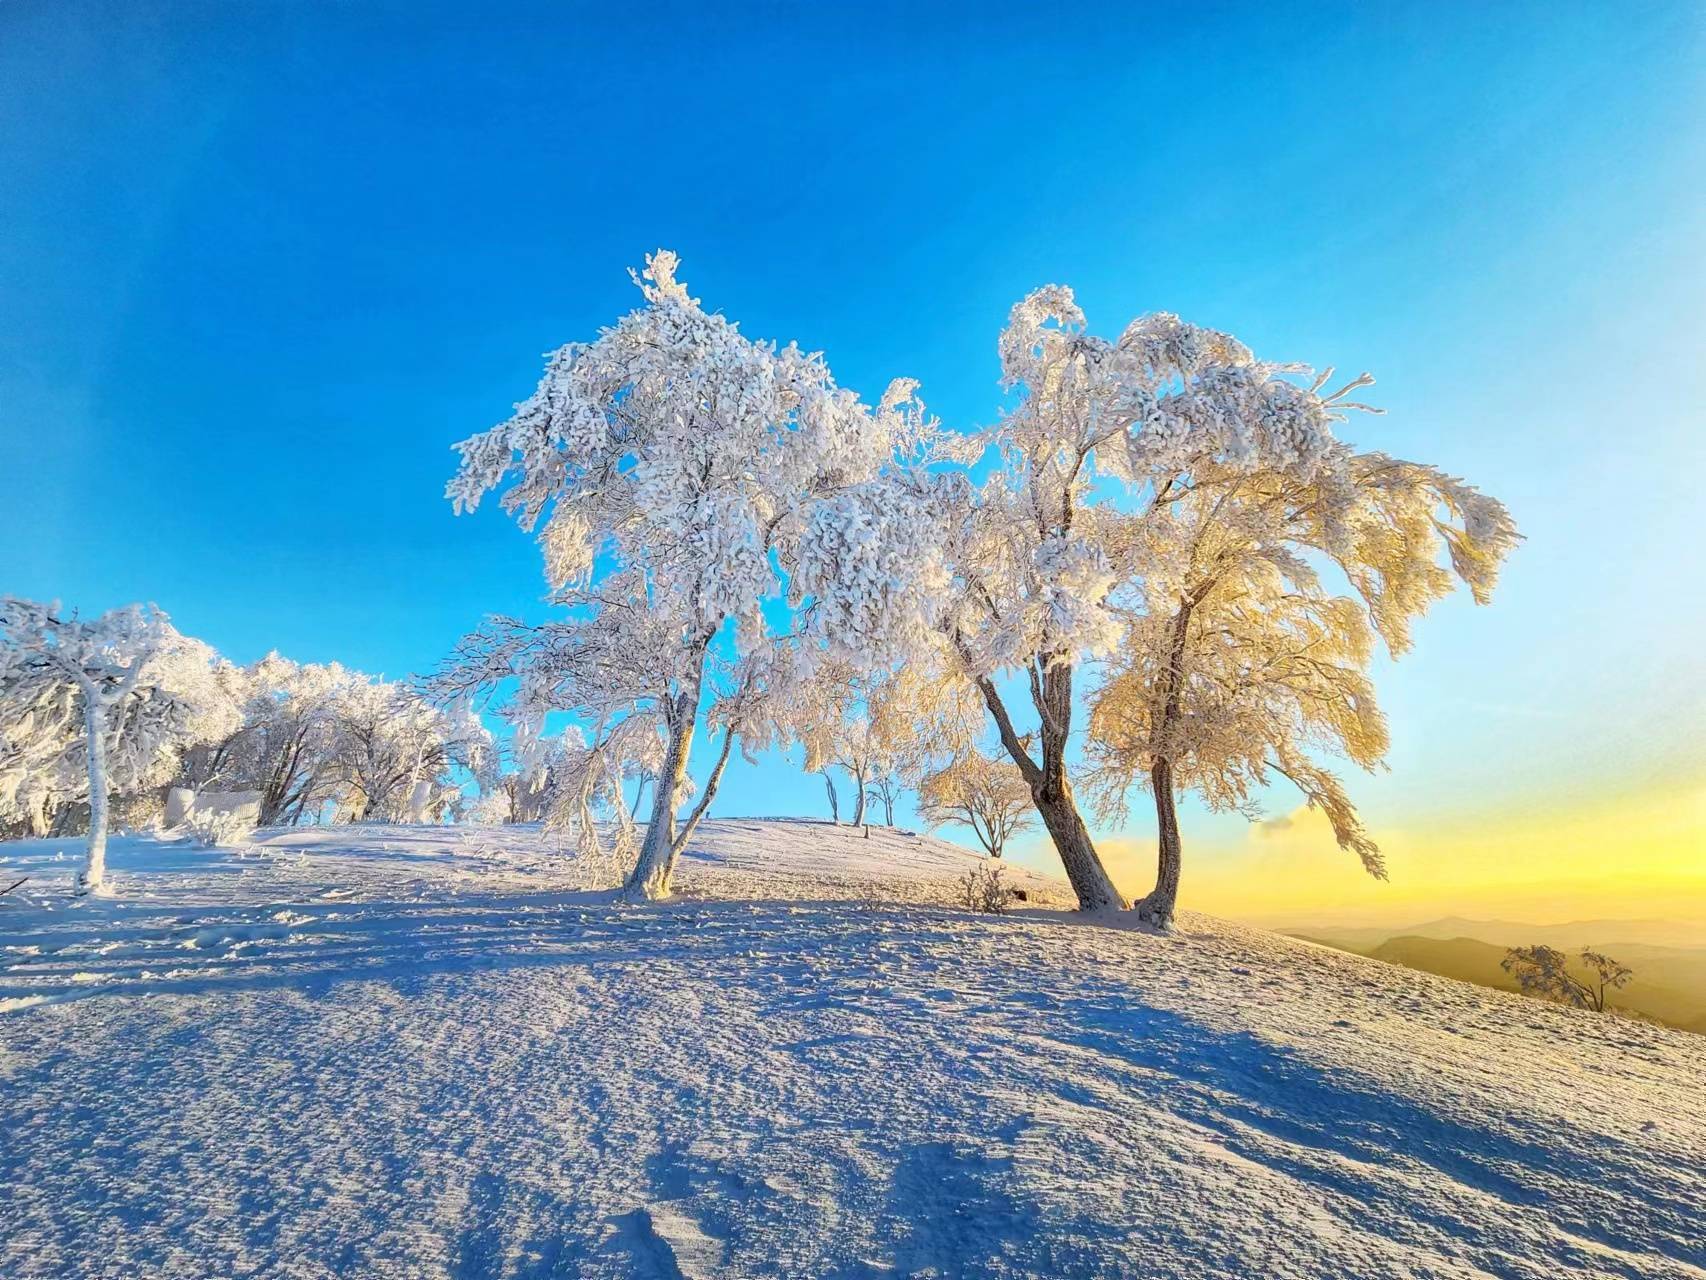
{"x": 1640, "y": 855}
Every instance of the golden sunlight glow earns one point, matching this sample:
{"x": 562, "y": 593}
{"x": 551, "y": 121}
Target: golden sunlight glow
{"x": 1626, "y": 856}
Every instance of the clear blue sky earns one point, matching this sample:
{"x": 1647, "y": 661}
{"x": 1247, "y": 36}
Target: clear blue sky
{"x": 261, "y": 264}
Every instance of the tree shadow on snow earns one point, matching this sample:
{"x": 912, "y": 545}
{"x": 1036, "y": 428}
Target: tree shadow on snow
{"x": 951, "y": 1202}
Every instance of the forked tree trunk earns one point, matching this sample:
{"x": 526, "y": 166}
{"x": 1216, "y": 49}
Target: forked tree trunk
{"x": 1157, "y": 908}
{"x": 281, "y": 785}
{"x": 712, "y": 782}
{"x": 651, "y": 875}
{"x": 648, "y": 880}
{"x": 1077, "y": 851}
{"x": 1051, "y": 793}
{"x": 94, "y": 872}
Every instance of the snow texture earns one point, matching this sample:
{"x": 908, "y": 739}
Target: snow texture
{"x": 183, "y": 802}
{"x": 423, "y": 1052}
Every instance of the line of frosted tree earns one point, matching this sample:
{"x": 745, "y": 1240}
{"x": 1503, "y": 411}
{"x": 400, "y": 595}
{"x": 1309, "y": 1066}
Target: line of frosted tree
{"x": 101, "y": 718}
{"x": 1161, "y": 570}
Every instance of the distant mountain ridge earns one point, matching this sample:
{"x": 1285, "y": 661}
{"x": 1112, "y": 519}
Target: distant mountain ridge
{"x": 1669, "y": 985}
{"x": 1669, "y": 934}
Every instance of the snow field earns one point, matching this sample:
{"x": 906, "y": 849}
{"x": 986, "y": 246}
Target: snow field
{"x": 431, "y": 1052}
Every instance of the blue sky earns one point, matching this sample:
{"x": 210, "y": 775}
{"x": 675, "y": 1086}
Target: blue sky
{"x": 260, "y": 265}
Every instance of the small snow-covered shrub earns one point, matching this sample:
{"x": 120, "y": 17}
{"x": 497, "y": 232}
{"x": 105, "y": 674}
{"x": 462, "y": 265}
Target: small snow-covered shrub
{"x": 219, "y": 828}
{"x": 984, "y": 890}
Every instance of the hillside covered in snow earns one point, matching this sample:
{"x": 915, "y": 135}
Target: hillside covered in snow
{"x": 431, "y": 1051}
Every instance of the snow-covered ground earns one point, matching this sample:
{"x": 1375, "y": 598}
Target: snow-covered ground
{"x": 424, "y": 1052}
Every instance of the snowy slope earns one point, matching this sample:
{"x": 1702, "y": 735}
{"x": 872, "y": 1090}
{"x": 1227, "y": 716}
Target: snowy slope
{"x": 424, "y": 1052}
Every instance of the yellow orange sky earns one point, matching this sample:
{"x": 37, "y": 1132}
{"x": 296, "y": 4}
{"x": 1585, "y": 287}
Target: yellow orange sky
{"x": 1625, "y": 856}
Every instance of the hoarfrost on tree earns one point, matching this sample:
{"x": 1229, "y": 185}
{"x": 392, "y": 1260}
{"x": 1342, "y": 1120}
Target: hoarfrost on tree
{"x": 862, "y": 723}
{"x": 396, "y": 756}
{"x": 682, "y": 478}
{"x": 144, "y": 692}
{"x": 1243, "y": 662}
{"x": 1071, "y": 552}
{"x": 982, "y": 792}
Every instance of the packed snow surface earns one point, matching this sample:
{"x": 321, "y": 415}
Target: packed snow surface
{"x": 415, "y": 1051}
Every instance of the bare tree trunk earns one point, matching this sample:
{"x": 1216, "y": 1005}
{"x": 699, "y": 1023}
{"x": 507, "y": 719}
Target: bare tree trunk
{"x": 859, "y": 800}
{"x": 834, "y": 804}
{"x": 1157, "y": 908}
{"x": 983, "y": 829}
{"x": 281, "y": 784}
{"x": 94, "y": 873}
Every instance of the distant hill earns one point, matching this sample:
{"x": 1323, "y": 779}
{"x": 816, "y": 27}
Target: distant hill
{"x": 1600, "y": 934}
{"x": 1576, "y": 934}
{"x": 1669, "y": 985}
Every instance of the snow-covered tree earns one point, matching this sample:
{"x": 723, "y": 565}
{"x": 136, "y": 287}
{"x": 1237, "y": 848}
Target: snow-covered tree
{"x": 390, "y": 744}
{"x": 863, "y": 757}
{"x": 208, "y": 765}
{"x": 1240, "y": 661}
{"x": 40, "y": 739}
{"x": 975, "y": 790}
{"x": 681, "y": 477}
{"x": 868, "y": 726}
{"x": 526, "y": 771}
{"x": 886, "y": 787}
{"x": 1040, "y": 565}
{"x": 535, "y": 758}
{"x": 1035, "y": 552}
{"x": 145, "y": 693}
{"x": 315, "y": 734}
{"x": 1545, "y": 972}
{"x": 921, "y": 723}
{"x": 286, "y": 744}
{"x": 826, "y": 713}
